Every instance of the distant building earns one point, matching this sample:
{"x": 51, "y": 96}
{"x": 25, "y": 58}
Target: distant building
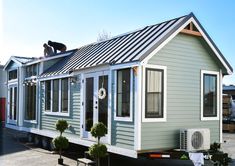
{"x": 230, "y": 90}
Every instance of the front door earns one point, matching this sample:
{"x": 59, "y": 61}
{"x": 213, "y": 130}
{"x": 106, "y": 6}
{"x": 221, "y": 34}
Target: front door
{"x": 96, "y": 92}
{"x": 12, "y": 105}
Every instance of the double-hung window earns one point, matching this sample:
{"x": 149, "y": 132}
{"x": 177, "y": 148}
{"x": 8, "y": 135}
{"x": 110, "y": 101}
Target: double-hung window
{"x": 123, "y": 95}
{"x": 155, "y": 93}
{"x": 209, "y": 95}
{"x": 57, "y": 96}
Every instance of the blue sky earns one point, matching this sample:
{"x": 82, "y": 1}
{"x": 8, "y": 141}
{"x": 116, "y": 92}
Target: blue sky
{"x": 27, "y": 24}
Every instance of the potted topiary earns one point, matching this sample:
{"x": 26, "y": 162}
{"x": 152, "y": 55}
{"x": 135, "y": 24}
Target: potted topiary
{"x": 98, "y": 150}
{"x": 61, "y": 142}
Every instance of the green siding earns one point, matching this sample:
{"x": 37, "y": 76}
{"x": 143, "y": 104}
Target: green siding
{"x": 185, "y": 56}
{"x": 48, "y": 121}
{"x": 122, "y": 133}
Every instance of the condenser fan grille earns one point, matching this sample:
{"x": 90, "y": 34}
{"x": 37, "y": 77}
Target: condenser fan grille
{"x": 197, "y": 140}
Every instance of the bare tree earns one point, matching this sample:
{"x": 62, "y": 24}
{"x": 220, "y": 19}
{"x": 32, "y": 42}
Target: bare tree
{"x": 103, "y": 35}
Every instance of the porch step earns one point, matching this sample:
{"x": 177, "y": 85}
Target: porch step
{"x": 85, "y": 161}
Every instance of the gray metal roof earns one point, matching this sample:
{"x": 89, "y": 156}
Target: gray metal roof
{"x": 124, "y": 48}
{"x": 24, "y": 59}
{"x": 129, "y": 47}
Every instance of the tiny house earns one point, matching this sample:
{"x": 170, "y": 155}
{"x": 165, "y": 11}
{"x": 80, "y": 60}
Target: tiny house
{"x": 145, "y": 86}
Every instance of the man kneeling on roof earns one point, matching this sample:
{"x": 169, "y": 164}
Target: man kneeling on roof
{"x": 57, "y": 46}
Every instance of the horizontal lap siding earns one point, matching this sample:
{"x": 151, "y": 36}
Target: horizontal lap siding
{"x": 48, "y": 121}
{"x": 185, "y": 56}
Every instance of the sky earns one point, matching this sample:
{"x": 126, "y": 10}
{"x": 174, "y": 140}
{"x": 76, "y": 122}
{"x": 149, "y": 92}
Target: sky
{"x": 27, "y": 24}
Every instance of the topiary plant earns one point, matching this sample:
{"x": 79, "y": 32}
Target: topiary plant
{"x": 98, "y": 150}
{"x": 61, "y": 125}
{"x": 61, "y": 142}
{"x": 98, "y": 130}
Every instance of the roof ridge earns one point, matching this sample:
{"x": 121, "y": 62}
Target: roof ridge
{"x": 132, "y": 31}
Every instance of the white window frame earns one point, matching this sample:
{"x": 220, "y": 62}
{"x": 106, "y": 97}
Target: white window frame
{"x": 217, "y": 97}
{"x": 59, "y": 113}
{"x": 117, "y": 118}
{"x": 158, "y": 67}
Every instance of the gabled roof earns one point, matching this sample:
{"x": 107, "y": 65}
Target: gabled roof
{"x": 19, "y": 60}
{"x": 131, "y": 47}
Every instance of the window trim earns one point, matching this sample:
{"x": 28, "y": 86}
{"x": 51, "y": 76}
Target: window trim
{"x": 164, "y": 81}
{"x": 50, "y": 112}
{"x": 117, "y": 118}
{"x": 217, "y": 97}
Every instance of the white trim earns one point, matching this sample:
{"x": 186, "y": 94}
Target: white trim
{"x": 49, "y": 58}
{"x": 39, "y": 107}
{"x": 137, "y": 108}
{"x": 140, "y": 103}
{"x": 12, "y": 121}
{"x": 59, "y": 113}
{"x": 164, "y": 68}
{"x": 82, "y": 102}
{"x": 56, "y": 114}
{"x": 109, "y": 106}
{"x": 146, "y": 59}
{"x": 31, "y": 121}
{"x": 221, "y": 106}
{"x": 54, "y": 77}
{"x": 124, "y": 65}
{"x": 218, "y": 91}
{"x": 211, "y": 46}
{"x": 124, "y": 119}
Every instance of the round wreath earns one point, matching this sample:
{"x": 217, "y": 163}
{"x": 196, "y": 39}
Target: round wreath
{"x": 102, "y": 93}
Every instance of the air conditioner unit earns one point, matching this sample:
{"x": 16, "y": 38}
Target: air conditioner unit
{"x": 194, "y": 139}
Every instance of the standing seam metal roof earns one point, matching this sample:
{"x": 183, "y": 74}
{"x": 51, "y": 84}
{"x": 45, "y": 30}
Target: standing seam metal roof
{"x": 124, "y": 48}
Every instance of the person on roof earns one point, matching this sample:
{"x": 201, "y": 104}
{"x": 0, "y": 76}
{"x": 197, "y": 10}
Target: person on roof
{"x": 57, "y": 46}
{"x": 47, "y": 50}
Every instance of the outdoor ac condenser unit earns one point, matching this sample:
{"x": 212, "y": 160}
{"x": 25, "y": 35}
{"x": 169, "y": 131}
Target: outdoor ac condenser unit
{"x": 194, "y": 139}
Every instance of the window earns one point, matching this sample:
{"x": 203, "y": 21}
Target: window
{"x": 123, "y": 93}
{"x": 210, "y": 95}
{"x": 154, "y": 77}
{"x": 12, "y": 75}
{"x": 64, "y": 95}
{"x": 31, "y": 70}
{"x": 47, "y": 95}
{"x": 56, "y": 96}
{"x": 154, "y": 93}
{"x": 55, "y": 99}
{"x": 30, "y": 102}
